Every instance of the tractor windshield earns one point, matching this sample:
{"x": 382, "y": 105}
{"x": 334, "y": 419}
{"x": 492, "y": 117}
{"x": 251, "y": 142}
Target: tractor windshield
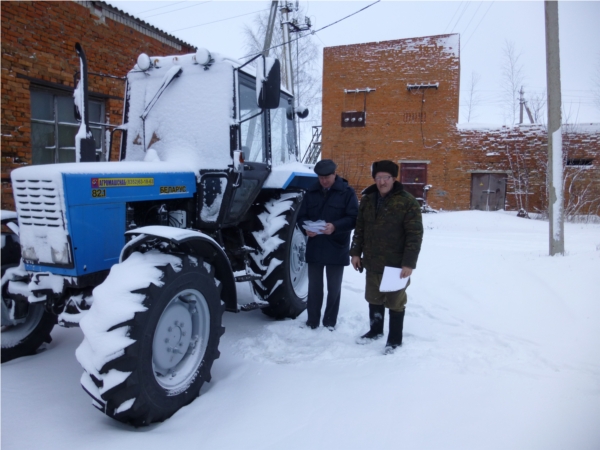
{"x": 189, "y": 121}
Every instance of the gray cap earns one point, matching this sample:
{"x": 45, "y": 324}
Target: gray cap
{"x": 325, "y": 167}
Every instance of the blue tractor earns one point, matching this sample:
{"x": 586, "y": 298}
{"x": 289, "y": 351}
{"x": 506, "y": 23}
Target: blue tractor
{"x": 144, "y": 253}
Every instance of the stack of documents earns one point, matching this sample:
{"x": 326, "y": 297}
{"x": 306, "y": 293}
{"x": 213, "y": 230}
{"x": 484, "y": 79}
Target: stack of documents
{"x": 391, "y": 281}
{"x": 315, "y": 227}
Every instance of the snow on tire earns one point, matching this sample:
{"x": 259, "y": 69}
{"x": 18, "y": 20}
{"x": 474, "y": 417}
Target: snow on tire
{"x": 280, "y": 257}
{"x": 151, "y": 336}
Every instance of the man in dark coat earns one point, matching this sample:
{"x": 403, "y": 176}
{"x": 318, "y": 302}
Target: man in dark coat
{"x": 389, "y": 232}
{"x": 332, "y": 200}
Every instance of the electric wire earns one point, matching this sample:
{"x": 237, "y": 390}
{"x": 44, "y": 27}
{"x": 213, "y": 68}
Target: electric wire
{"x": 178, "y": 9}
{"x": 483, "y": 17}
{"x": 161, "y": 7}
{"x": 453, "y": 16}
{"x": 315, "y": 31}
{"x": 460, "y": 17}
{"x": 472, "y": 17}
{"x": 220, "y": 20}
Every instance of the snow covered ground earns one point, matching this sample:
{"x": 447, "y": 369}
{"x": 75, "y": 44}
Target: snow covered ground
{"x": 501, "y": 351}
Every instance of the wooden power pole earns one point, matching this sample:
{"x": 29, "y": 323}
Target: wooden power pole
{"x": 555, "y": 154}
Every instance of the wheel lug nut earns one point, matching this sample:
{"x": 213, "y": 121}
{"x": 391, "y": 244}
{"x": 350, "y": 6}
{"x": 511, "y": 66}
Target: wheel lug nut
{"x": 170, "y": 329}
{"x": 166, "y": 340}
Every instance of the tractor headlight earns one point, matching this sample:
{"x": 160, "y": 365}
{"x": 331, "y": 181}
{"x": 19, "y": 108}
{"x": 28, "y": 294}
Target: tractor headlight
{"x": 60, "y": 256}
{"x": 28, "y": 253}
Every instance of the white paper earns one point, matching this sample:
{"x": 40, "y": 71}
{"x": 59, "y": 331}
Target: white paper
{"x": 315, "y": 227}
{"x": 391, "y": 281}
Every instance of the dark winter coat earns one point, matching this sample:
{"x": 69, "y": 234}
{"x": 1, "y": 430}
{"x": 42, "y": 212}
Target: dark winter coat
{"x": 390, "y": 236}
{"x": 339, "y": 206}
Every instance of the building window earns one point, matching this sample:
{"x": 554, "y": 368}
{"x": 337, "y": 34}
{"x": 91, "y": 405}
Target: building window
{"x": 579, "y": 162}
{"x": 53, "y": 127}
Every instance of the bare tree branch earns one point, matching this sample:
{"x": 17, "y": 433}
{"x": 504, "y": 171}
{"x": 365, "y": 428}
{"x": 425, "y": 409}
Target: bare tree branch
{"x": 511, "y": 81}
{"x": 537, "y": 106}
{"x": 473, "y": 97}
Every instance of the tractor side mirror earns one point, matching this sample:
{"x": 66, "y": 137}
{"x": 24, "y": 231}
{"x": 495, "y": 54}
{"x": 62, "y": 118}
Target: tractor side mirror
{"x": 268, "y": 83}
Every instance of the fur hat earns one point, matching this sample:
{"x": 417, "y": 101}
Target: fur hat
{"x": 325, "y": 167}
{"x": 385, "y": 166}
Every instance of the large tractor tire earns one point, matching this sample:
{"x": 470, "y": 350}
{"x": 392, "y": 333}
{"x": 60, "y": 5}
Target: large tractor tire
{"x": 173, "y": 340}
{"x": 280, "y": 257}
{"x": 23, "y": 336}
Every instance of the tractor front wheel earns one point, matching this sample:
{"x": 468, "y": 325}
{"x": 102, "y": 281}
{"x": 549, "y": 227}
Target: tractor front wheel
{"x": 176, "y": 341}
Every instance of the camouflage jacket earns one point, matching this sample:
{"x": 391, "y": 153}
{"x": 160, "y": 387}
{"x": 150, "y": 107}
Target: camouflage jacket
{"x": 391, "y": 236}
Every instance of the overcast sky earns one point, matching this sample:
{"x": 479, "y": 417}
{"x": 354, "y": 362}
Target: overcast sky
{"x": 484, "y": 27}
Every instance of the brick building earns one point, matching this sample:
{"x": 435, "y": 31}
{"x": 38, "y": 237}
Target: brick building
{"x": 399, "y": 100}
{"x": 38, "y": 67}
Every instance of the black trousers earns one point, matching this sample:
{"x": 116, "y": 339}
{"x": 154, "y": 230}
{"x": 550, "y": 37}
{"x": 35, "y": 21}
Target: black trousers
{"x": 315, "y": 294}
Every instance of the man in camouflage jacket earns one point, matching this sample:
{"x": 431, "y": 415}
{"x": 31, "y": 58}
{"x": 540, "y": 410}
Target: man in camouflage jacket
{"x": 389, "y": 231}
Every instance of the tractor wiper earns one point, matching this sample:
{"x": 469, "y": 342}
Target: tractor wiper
{"x": 171, "y": 74}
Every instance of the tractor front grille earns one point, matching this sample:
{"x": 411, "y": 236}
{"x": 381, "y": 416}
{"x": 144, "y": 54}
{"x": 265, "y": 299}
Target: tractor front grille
{"x": 38, "y": 203}
{"x": 42, "y": 223}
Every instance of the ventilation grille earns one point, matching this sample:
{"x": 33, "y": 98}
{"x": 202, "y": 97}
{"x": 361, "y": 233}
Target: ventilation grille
{"x": 38, "y": 203}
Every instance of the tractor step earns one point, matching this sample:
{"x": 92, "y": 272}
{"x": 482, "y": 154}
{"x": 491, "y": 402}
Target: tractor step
{"x": 241, "y": 278}
{"x": 254, "y": 305}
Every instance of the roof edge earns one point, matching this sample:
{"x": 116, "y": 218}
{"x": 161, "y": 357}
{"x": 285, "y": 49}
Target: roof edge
{"x": 103, "y": 9}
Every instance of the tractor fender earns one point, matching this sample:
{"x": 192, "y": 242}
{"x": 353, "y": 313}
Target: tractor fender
{"x": 197, "y": 243}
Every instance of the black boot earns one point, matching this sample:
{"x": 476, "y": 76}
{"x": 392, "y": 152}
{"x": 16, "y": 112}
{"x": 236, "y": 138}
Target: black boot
{"x": 395, "y": 333}
{"x": 376, "y": 316}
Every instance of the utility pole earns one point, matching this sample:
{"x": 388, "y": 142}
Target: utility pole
{"x": 270, "y": 26}
{"x": 285, "y": 23}
{"x": 521, "y": 100}
{"x": 292, "y": 26}
{"x": 523, "y": 103}
{"x": 555, "y": 155}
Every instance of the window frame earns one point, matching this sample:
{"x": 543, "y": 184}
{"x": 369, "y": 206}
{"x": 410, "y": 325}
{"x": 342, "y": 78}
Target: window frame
{"x": 56, "y": 123}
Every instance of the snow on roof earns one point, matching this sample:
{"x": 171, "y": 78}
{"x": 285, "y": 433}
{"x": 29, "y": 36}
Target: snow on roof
{"x": 588, "y": 128}
{"x": 447, "y": 43}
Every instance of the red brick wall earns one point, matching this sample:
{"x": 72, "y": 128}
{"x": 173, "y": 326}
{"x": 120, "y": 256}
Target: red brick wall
{"x": 394, "y": 130}
{"x": 522, "y": 152}
{"x": 38, "y": 41}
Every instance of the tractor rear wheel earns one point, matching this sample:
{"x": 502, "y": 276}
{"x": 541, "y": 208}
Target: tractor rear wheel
{"x": 280, "y": 257}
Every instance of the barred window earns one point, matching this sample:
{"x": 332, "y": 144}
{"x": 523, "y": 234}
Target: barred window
{"x": 415, "y": 117}
{"x": 585, "y": 162}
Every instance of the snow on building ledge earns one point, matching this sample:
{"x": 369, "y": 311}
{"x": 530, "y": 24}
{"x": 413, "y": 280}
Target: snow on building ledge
{"x": 586, "y": 128}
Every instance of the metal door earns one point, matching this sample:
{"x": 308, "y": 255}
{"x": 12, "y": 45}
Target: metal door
{"x": 488, "y": 191}
{"x": 414, "y": 178}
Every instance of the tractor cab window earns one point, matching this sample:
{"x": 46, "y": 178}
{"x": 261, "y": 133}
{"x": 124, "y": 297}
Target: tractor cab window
{"x": 253, "y": 141}
{"x": 283, "y": 146}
